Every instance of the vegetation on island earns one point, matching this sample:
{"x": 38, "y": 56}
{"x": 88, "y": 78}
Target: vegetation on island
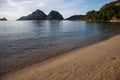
{"x": 107, "y": 12}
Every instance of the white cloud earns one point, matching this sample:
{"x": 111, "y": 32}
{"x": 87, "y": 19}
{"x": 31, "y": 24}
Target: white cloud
{"x": 15, "y": 5}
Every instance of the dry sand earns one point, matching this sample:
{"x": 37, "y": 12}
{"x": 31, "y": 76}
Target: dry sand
{"x": 100, "y": 61}
{"x": 116, "y": 20}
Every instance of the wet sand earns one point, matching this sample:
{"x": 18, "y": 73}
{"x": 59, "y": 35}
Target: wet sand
{"x": 100, "y": 61}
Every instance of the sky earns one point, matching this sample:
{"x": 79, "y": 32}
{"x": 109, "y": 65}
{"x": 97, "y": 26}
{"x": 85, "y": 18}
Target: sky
{"x": 13, "y": 9}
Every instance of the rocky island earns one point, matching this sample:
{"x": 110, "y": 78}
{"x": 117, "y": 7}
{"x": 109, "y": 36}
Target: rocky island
{"x": 3, "y": 19}
{"x": 36, "y": 15}
{"x": 40, "y": 15}
{"x": 54, "y": 15}
{"x": 75, "y": 17}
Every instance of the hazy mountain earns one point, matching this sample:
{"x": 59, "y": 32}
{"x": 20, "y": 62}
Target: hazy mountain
{"x": 75, "y": 17}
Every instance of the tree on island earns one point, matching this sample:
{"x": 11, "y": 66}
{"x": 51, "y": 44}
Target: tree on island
{"x": 107, "y": 12}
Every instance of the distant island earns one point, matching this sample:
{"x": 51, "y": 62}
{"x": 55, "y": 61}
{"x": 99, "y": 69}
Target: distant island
{"x": 3, "y": 19}
{"x": 53, "y": 15}
{"x": 36, "y": 15}
{"x": 40, "y": 15}
{"x": 76, "y": 17}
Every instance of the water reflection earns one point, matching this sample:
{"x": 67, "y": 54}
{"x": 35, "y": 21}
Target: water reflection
{"x": 54, "y": 32}
{"x": 43, "y": 39}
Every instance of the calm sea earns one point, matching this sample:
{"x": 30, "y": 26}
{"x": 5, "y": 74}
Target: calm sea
{"x": 23, "y": 43}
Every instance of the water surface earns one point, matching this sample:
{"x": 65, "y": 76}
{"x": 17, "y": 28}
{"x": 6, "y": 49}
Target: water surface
{"x": 23, "y": 43}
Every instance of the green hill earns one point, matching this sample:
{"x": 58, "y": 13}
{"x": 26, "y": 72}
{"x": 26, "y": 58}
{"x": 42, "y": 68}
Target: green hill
{"x": 107, "y": 12}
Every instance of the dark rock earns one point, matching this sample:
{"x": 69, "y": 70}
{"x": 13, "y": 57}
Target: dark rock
{"x": 75, "y": 17}
{"x": 37, "y": 15}
{"x": 54, "y": 15}
{"x": 3, "y": 19}
{"x": 23, "y": 18}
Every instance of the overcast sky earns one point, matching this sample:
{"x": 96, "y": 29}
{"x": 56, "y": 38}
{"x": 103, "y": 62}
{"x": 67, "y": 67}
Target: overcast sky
{"x": 13, "y": 9}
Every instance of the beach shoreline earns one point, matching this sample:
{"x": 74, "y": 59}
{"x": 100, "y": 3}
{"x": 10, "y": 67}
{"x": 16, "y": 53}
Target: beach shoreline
{"x": 22, "y": 53}
{"x": 112, "y": 21}
{"x": 96, "y": 62}
{"x": 116, "y": 20}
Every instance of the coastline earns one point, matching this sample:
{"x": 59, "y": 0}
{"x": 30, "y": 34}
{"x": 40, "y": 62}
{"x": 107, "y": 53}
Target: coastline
{"x": 96, "y": 62}
{"x": 115, "y": 20}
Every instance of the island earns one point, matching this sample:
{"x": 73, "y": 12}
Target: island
{"x": 40, "y": 15}
{"x": 75, "y": 17}
{"x": 54, "y": 15}
{"x": 36, "y": 15}
{"x": 3, "y": 19}
{"x": 109, "y": 12}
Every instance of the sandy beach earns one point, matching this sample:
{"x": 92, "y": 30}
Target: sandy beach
{"x": 100, "y": 61}
{"x": 116, "y": 20}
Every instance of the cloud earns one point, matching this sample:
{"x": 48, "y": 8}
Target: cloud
{"x": 14, "y": 5}
{"x": 18, "y": 5}
{"x": 21, "y": 5}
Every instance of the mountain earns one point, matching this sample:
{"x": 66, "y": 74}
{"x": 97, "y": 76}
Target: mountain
{"x": 106, "y": 13}
{"x": 54, "y": 15}
{"x": 40, "y": 15}
{"x": 75, "y": 17}
{"x": 36, "y": 15}
{"x": 3, "y": 19}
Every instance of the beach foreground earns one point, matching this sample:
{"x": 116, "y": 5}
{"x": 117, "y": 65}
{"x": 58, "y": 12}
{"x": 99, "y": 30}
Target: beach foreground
{"x": 100, "y": 61}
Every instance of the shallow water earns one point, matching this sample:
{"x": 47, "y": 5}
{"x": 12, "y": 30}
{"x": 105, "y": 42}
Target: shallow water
{"x": 23, "y": 43}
